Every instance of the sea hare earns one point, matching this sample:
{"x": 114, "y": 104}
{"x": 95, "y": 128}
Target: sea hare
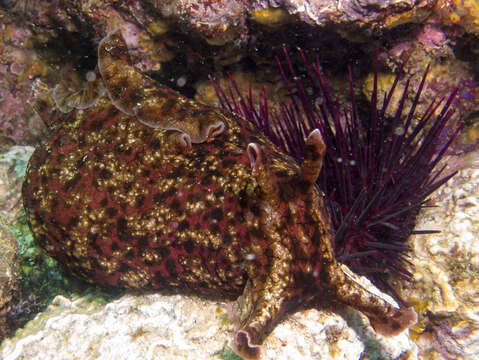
{"x": 147, "y": 189}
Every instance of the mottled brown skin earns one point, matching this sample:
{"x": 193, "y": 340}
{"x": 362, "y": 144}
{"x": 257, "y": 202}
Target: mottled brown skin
{"x": 120, "y": 203}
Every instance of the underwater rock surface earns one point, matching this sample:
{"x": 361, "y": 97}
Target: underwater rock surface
{"x": 446, "y": 275}
{"x": 155, "y": 326}
{"x": 182, "y": 41}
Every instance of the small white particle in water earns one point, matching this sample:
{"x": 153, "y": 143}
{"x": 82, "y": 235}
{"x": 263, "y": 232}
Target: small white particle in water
{"x": 339, "y": 160}
{"x": 352, "y": 163}
{"x": 250, "y": 257}
{"x": 167, "y": 11}
{"x": 315, "y": 273}
{"x": 90, "y": 76}
{"x": 319, "y": 101}
{"x": 399, "y": 131}
{"x": 181, "y": 81}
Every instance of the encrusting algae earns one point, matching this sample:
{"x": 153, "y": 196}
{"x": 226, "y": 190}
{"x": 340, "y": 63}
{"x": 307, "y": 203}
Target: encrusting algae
{"x": 147, "y": 189}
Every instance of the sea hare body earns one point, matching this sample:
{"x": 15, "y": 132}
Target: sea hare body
{"x": 202, "y": 201}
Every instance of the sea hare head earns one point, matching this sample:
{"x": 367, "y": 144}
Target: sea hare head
{"x": 153, "y": 105}
{"x": 291, "y": 263}
{"x": 292, "y": 249}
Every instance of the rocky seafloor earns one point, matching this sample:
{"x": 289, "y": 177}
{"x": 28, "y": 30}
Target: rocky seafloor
{"x": 180, "y": 43}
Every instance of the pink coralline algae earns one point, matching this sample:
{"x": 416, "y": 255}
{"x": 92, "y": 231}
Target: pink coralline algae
{"x": 431, "y": 37}
{"x": 18, "y": 124}
{"x": 219, "y": 21}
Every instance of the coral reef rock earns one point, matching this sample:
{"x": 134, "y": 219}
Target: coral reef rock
{"x": 447, "y": 271}
{"x": 184, "y": 40}
{"x": 155, "y": 326}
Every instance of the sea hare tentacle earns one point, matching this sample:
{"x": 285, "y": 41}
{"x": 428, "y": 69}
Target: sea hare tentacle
{"x": 153, "y": 105}
{"x": 314, "y": 151}
{"x": 262, "y": 171}
{"x": 177, "y": 141}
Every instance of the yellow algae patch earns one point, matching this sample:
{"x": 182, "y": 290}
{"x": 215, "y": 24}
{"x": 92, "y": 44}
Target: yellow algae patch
{"x": 415, "y": 15}
{"x": 157, "y": 28}
{"x": 271, "y": 17}
{"x": 464, "y": 13}
{"x": 156, "y": 47}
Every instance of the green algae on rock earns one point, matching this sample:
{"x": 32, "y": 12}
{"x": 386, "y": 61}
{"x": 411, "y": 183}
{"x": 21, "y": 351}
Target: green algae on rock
{"x": 210, "y": 206}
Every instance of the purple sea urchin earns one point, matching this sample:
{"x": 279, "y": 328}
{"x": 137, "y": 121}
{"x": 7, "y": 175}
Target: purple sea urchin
{"x": 377, "y": 174}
